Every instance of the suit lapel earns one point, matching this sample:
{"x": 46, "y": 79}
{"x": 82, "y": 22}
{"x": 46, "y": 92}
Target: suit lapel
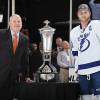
{"x": 9, "y": 41}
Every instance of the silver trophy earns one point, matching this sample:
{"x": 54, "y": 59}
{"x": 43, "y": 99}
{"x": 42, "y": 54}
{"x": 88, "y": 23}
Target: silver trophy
{"x": 47, "y": 71}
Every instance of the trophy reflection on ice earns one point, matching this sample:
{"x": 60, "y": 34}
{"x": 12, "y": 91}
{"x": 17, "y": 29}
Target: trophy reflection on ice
{"x": 47, "y": 71}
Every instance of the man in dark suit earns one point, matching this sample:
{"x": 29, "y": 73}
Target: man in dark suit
{"x": 13, "y": 57}
{"x": 35, "y": 60}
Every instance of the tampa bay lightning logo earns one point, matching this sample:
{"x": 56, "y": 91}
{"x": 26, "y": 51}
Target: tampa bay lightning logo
{"x": 84, "y": 42}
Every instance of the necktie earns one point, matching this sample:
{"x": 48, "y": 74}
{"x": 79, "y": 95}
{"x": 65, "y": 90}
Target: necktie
{"x": 15, "y": 42}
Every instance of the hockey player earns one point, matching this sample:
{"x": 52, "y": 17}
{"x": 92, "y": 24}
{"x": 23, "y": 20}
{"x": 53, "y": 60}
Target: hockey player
{"x": 85, "y": 40}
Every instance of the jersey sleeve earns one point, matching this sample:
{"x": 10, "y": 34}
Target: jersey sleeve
{"x": 74, "y": 48}
{"x": 74, "y": 44}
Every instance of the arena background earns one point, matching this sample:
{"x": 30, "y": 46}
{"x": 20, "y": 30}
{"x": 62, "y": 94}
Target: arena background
{"x": 34, "y": 12}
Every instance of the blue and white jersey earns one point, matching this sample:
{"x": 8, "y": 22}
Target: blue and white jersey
{"x": 86, "y": 48}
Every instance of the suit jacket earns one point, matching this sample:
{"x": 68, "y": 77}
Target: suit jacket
{"x": 12, "y": 64}
{"x": 35, "y": 61}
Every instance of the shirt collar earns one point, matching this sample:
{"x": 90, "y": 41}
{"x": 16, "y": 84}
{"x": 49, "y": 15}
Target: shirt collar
{"x": 87, "y": 24}
{"x": 12, "y": 33}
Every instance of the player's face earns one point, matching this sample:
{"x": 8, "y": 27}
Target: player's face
{"x": 84, "y": 15}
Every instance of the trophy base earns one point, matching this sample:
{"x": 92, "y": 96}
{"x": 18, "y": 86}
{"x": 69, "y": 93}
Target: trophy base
{"x": 47, "y": 73}
{"x": 39, "y": 79}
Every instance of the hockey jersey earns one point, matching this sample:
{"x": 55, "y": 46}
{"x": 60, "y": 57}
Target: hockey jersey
{"x": 86, "y": 48}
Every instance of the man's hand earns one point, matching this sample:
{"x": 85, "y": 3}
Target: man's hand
{"x": 28, "y": 80}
